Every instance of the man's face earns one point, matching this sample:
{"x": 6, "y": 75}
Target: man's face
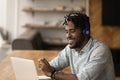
{"x": 73, "y": 35}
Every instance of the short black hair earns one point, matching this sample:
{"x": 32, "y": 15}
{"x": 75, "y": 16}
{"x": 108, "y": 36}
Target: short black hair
{"x": 77, "y": 18}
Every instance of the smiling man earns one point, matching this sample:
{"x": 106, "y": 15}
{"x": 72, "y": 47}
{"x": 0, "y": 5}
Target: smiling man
{"x": 89, "y": 59}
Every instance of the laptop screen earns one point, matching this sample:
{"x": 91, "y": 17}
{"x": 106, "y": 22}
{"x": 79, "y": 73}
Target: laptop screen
{"x": 25, "y": 69}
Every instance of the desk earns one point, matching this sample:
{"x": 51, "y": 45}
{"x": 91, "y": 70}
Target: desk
{"x": 6, "y": 70}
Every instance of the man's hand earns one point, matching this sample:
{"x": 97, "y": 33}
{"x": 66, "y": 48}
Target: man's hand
{"x": 45, "y": 67}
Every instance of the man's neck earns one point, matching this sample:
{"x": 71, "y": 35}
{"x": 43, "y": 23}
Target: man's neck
{"x": 83, "y": 44}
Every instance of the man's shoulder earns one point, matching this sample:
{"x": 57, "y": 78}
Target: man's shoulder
{"x": 97, "y": 42}
{"x": 100, "y": 44}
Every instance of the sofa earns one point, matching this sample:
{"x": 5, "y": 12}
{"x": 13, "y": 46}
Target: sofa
{"x": 29, "y": 40}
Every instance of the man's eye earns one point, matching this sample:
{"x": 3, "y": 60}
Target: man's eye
{"x": 73, "y": 30}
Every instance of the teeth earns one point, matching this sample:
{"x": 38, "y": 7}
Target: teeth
{"x": 70, "y": 41}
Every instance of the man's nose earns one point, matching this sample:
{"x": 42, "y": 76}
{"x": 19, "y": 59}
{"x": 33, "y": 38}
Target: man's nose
{"x": 68, "y": 35}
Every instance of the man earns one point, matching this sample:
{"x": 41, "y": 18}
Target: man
{"x": 88, "y": 58}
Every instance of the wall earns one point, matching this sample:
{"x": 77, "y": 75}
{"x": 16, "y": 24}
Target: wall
{"x": 3, "y": 8}
{"x": 109, "y": 34}
{"x": 8, "y": 17}
{"x": 11, "y": 21}
{"x": 12, "y": 18}
{"x": 40, "y": 18}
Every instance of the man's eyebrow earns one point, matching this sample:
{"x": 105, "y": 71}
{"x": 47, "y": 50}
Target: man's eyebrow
{"x": 70, "y": 29}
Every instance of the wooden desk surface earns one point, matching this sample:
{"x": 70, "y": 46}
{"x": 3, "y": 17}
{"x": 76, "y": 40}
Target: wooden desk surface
{"x": 6, "y": 70}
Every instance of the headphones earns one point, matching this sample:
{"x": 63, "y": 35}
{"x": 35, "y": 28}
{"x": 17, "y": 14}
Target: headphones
{"x": 86, "y": 28}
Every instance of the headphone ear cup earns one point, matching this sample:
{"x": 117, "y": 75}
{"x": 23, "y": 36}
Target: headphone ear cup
{"x": 83, "y": 32}
{"x": 86, "y": 30}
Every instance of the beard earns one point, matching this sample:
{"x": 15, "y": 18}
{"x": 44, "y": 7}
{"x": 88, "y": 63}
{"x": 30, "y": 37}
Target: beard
{"x": 78, "y": 44}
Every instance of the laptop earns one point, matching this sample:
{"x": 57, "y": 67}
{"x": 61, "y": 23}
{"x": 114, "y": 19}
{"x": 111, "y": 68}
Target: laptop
{"x": 25, "y": 69}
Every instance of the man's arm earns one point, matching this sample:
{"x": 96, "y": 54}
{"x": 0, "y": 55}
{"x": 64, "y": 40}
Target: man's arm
{"x": 45, "y": 67}
{"x": 48, "y": 71}
{"x": 64, "y": 76}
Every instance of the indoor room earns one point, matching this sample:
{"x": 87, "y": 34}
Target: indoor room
{"x": 36, "y": 29}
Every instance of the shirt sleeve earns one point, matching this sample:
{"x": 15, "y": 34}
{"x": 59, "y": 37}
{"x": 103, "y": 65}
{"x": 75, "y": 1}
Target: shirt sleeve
{"x": 95, "y": 66}
{"x": 61, "y": 61}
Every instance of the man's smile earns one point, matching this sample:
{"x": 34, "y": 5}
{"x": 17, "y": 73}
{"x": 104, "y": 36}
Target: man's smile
{"x": 70, "y": 41}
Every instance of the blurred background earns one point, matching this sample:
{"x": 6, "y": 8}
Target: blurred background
{"x": 37, "y": 24}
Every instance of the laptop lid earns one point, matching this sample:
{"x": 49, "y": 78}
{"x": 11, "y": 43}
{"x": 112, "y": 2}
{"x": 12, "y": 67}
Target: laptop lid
{"x": 24, "y": 69}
